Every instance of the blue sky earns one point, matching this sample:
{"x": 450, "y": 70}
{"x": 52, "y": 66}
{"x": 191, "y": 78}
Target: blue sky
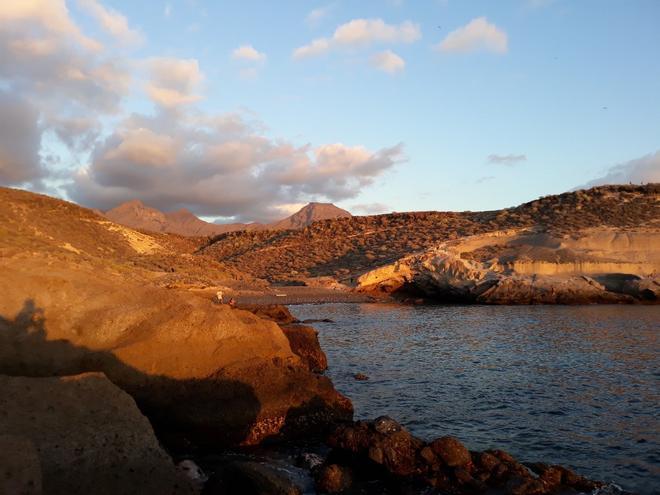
{"x": 446, "y": 105}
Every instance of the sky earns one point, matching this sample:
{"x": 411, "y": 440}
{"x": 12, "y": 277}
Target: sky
{"x": 244, "y": 111}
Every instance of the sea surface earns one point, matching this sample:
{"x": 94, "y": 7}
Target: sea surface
{"x": 571, "y": 385}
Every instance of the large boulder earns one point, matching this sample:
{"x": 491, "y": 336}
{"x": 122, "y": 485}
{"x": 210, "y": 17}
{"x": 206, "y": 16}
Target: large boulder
{"x": 210, "y": 372}
{"x": 80, "y": 434}
{"x": 304, "y": 342}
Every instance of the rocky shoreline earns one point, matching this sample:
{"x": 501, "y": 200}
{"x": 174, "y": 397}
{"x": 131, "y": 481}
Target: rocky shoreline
{"x": 80, "y": 433}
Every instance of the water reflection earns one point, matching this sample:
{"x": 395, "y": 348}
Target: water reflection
{"x": 575, "y": 385}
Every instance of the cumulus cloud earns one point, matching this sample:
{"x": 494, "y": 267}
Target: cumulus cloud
{"x": 248, "y": 52}
{"x": 388, "y": 61}
{"x": 360, "y": 33}
{"x": 221, "y": 166}
{"x": 477, "y": 35}
{"x": 112, "y": 21}
{"x": 173, "y": 81}
{"x": 19, "y": 141}
{"x": 640, "y": 170}
{"x": 509, "y": 159}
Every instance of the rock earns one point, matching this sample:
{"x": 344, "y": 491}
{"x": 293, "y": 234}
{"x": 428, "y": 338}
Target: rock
{"x": 334, "y": 478}
{"x": 524, "y": 486}
{"x": 89, "y": 436}
{"x": 309, "y": 461}
{"x": 486, "y": 461}
{"x": 197, "y": 370}
{"x": 304, "y": 343}
{"x": 273, "y": 312}
{"x": 251, "y": 478}
{"x": 385, "y": 425}
{"x": 361, "y": 377}
{"x": 451, "y": 451}
{"x": 382, "y": 442}
{"x": 192, "y": 472}
{"x": 20, "y": 470}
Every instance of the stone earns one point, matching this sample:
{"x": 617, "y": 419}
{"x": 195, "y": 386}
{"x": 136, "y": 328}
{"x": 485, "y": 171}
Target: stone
{"x": 334, "y": 478}
{"x": 20, "y": 469}
{"x": 524, "y": 486}
{"x": 451, "y": 451}
{"x": 89, "y": 437}
{"x": 305, "y": 344}
{"x": 385, "y": 425}
{"x": 361, "y": 377}
{"x": 251, "y": 478}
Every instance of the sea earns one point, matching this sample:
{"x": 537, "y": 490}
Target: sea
{"x": 572, "y": 385}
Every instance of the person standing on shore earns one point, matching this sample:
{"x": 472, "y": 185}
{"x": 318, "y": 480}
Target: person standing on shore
{"x": 218, "y": 297}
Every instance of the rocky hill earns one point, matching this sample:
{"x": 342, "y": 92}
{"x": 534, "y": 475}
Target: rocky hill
{"x": 309, "y": 214}
{"x": 137, "y": 215}
{"x": 347, "y": 248}
{"x": 81, "y": 294}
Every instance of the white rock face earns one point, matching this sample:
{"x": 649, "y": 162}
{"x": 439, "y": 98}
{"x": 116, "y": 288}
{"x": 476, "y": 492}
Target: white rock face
{"x": 525, "y": 267}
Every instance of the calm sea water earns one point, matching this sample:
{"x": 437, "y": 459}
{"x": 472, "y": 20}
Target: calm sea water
{"x": 572, "y": 385}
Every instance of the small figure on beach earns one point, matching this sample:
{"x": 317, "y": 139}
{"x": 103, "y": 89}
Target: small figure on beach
{"x": 218, "y": 297}
{"x": 232, "y": 303}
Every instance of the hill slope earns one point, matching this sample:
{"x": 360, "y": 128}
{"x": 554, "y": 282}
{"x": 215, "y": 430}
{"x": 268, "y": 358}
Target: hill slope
{"x": 309, "y": 214}
{"x": 347, "y": 247}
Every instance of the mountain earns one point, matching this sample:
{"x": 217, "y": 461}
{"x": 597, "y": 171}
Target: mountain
{"x": 137, "y": 215}
{"x": 309, "y": 214}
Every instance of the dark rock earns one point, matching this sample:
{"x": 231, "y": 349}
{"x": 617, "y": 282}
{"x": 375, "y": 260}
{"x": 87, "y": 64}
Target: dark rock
{"x": 487, "y": 461}
{"x": 89, "y": 436}
{"x": 361, "y": 377}
{"x": 309, "y": 461}
{"x": 250, "y": 478}
{"x": 385, "y": 425}
{"x": 501, "y": 455}
{"x": 451, "y": 451}
{"x": 304, "y": 343}
{"x": 19, "y": 462}
{"x": 334, "y": 478}
{"x": 315, "y": 320}
{"x": 524, "y": 486}
{"x": 273, "y": 312}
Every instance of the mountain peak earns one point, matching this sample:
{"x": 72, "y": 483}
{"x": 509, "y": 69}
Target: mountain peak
{"x": 310, "y": 213}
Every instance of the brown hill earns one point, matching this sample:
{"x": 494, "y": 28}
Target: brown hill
{"x": 309, "y": 214}
{"x": 137, "y": 215}
{"x": 346, "y": 247}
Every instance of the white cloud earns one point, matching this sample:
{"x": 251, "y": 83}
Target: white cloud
{"x": 112, "y": 21}
{"x": 50, "y": 17}
{"x": 371, "y": 208}
{"x": 640, "y": 170}
{"x": 477, "y": 35}
{"x": 248, "y": 52}
{"x": 174, "y": 81}
{"x": 509, "y": 159}
{"x": 317, "y": 15}
{"x": 388, "y": 61}
{"x": 359, "y": 33}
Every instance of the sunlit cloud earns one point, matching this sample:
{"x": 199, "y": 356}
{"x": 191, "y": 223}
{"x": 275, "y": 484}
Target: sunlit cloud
{"x": 477, "y": 35}
{"x": 112, "y": 21}
{"x": 509, "y": 159}
{"x": 388, "y": 61}
{"x": 248, "y": 52}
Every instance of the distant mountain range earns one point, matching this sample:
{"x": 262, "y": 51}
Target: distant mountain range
{"x": 137, "y": 215}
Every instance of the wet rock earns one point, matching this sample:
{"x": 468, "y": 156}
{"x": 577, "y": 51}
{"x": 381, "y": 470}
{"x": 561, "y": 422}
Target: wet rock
{"x": 192, "y": 471}
{"x": 250, "y": 478}
{"x": 361, "y": 377}
{"x": 333, "y": 478}
{"x": 89, "y": 436}
{"x": 305, "y": 344}
{"x": 20, "y": 470}
{"x": 451, "y": 451}
{"x": 383, "y": 442}
{"x": 487, "y": 462}
{"x": 385, "y": 425}
{"x": 524, "y": 486}
{"x": 309, "y": 461}
{"x": 317, "y": 320}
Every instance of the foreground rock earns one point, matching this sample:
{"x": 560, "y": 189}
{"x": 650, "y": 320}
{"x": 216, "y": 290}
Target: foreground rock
{"x": 79, "y": 434}
{"x": 528, "y": 267}
{"x": 383, "y": 451}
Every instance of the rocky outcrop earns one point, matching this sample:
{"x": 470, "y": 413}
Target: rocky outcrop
{"x": 199, "y": 370}
{"x": 80, "y": 434}
{"x": 304, "y": 342}
{"x": 528, "y": 268}
{"x": 383, "y": 452}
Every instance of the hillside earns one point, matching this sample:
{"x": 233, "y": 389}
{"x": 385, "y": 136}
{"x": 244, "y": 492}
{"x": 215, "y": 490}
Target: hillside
{"x": 313, "y": 212}
{"x": 346, "y": 247}
{"x": 137, "y": 215}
